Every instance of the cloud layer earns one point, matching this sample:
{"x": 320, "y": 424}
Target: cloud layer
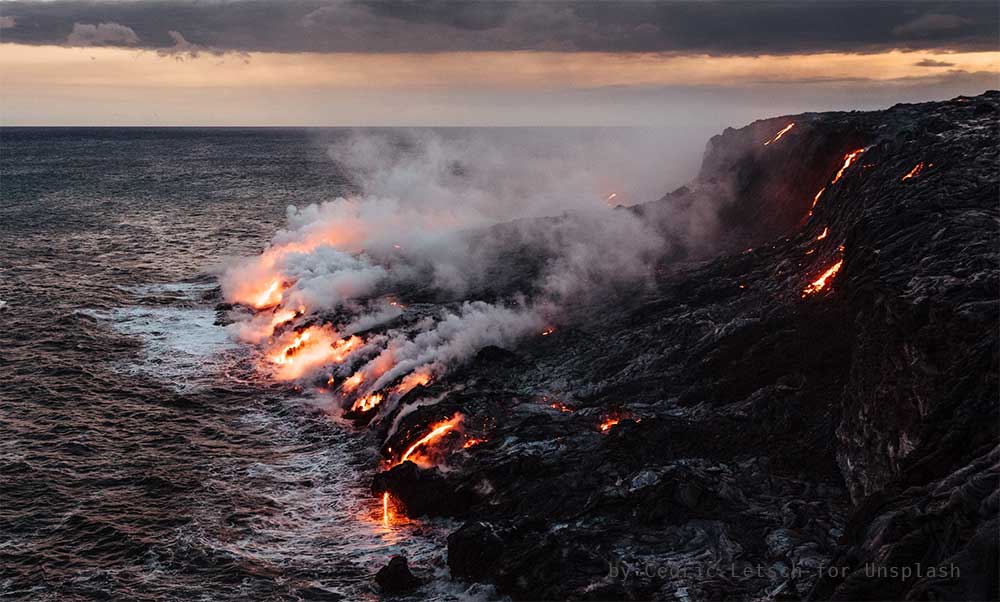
{"x": 703, "y": 27}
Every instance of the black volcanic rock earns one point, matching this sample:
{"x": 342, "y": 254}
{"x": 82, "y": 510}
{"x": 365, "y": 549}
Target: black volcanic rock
{"x": 396, "y": 578}
{"x": 424, "y": 492}
{"x": 770, "y": 444}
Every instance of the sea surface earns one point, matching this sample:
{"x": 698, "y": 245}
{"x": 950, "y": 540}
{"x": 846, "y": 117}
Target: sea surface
{"x": 141, "y": 456}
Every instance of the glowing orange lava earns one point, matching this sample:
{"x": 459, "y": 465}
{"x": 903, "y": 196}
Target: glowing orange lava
{"x": 280, "y": 317}
{"x": 472, "y": 441}
{"x": 344, "y": 347}
{"x": 548, "y": 331}
{"x": 366, "y": 403}
{"x": 270, "y": 297}
{"x": 778, "y": 136}
{"x": 412, "y": 380}
{"x": 437, "y": 431}
{"x": 299, "y": 354}
{"x": 919, "y": 167}
{"x": 818, "y": 284}
{"x": 561, "y": 407}
{"x": 823, "y": 234}
{"x": 849, "y": 158}
{"x": 607, "y": 424}
{"x": 353, "y": 381}
{"x": 287, "y": 354}
{"x": 386, "y": 518}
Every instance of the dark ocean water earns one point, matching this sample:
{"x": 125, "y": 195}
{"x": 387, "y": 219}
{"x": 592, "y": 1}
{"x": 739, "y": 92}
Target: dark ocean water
{"x": 140, "y": 456}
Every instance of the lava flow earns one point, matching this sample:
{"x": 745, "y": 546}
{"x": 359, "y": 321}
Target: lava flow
{"x": 367, "y": 403}
{"x": 919, "y": 167}
{"x": 818, "y": 284}
{"x": 823, "y": 234}
{"x": 353, "y": 381}
{"x": 780, "y": 134}
{"x": 270, "y": 297}
{"x": 437, "y": 431}
{"x": 309, "y": 349}
{"x": 849, "y": 158}
{"x": 607, "y": 424}
{"x": 412, "y": 380}
{"x": 386, "y": 518}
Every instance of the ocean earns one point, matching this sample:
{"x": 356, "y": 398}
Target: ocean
{"x": 141, "y": 455}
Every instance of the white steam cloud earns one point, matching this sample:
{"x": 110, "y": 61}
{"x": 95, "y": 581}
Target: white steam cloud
{"x": 518, "y": 217}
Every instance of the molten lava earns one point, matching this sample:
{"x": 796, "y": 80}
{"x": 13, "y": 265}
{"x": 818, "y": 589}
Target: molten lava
{"x": 366, "y": 403}
{"x": 778, "y": 136}
{"x": 849, "y": 158}
{"x": 353, "y": 381}
{"x": 919, "y": 167}
{"x": 607, "y": 424}
{"x": 270, "y": 297}
{"x": 561, "y": 407}
{"x": 309, "y": 350}
{"x": 411, "y": 380}
{"x": 548, "y": 331}
{"x": 287, "y": 354}
{"x": 386, "y": 517}
{"x": 344, "y": 347}
{"x": 281, "y": 316}
{"x": 818, "y": 284}
{"x": 472, "y": 441}
{"x": 823, "y": 234}
{"x": 437, "y": 431}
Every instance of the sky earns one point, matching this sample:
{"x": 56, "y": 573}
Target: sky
{"x": 493, "y": 63}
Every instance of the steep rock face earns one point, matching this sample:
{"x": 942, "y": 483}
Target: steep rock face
{"x": 826, "y": 399}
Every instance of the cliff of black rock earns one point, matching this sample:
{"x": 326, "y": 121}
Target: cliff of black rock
{"x": 814, "y": 405}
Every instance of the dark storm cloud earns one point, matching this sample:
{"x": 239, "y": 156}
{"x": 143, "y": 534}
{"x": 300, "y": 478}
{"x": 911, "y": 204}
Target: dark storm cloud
{"x": 933, "y": 63}
{"x": 718, "y": 28}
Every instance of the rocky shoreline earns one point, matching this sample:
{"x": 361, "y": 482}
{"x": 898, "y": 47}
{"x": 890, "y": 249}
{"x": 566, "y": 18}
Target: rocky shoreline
{"x": 771, "y": 423}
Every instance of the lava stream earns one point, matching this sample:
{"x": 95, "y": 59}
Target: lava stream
{"x": 780, "y": 134}
{"x": 818, "y": 284}
{"x": 607, "y": 424}
{"x": 437, "y": 431}
{"x": 849, "y": 158}
{"x": 919, "y": 167}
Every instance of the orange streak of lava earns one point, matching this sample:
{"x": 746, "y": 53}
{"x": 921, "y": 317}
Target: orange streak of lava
{"x": 353, "y": 381}
{"x": 823, "y": 234}
{"x": 607, "y": 424}
{"x": 914, "y": 172}
{"x": 780, "y": 134}
{"x": 820, "y": 283}
{"x": 366, "y": 403}
{"x": 386, "y": 519}
{"x": 270, "y": 297}
{"x": 437, "y": 431}
{"x": 849, "y": 158}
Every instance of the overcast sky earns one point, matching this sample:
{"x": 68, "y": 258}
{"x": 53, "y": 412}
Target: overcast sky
{"x": 324, "y": 62}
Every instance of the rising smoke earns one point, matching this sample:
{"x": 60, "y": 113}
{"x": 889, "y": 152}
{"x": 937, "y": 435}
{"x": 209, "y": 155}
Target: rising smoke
{"x": 500, "y": 231}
